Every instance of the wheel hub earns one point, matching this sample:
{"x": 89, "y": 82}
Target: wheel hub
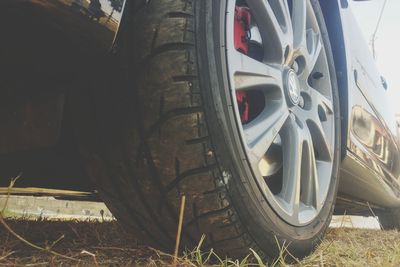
{"x": 292, "y": 87}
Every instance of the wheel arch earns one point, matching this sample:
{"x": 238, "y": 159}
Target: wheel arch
{"x": 331, "y": 11}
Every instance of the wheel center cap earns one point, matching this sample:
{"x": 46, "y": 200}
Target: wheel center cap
{"x": 293, "y": 87}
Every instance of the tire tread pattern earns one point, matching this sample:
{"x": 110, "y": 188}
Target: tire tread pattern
{"x": 167, "y": 150}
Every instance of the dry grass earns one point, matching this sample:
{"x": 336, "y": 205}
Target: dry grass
{"x": 87, "y": 242}
{"x": 106, "y": 244}
{"x": 355, "y": 247}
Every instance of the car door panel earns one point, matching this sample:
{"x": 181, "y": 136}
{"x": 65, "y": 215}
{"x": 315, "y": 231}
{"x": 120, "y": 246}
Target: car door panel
{"x": 372, "y": 129}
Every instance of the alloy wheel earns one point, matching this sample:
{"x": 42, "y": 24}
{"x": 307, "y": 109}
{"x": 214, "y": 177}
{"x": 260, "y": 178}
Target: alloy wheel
{"x": 281, "y": 89}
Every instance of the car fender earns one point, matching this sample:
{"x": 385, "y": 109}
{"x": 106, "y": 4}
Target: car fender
{"x": 366, "y": 174}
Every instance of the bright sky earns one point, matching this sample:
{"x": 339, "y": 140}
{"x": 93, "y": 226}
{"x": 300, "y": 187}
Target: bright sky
{"x": 387, "y": 45}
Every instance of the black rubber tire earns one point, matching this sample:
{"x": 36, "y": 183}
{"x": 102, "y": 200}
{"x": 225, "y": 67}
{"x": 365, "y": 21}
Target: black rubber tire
{"x": 389, "y": 219}
{"x": 177, "y": 136}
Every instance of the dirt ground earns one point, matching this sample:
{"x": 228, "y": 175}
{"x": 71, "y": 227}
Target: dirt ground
{"x": 85, "y": 243}
{"x": 106, "y": 244}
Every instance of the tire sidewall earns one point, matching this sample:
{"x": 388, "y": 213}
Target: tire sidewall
{"x": 261, "y": 221}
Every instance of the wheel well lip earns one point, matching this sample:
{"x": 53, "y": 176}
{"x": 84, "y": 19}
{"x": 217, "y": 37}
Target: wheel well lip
{"x": 333, "y": 19}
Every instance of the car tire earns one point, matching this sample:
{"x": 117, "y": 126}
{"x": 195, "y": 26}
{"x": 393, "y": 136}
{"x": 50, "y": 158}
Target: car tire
{"x": 389, "y": 219}
{"x": 174, "y": 132}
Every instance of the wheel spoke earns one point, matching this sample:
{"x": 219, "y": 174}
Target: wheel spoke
{"x": 320, "y": 140}
{"x": 321, "y": 108}
{"x": 275, "y": 39}
{"x": 299, "y": 23}
{"x": 282, "y": 9}
{"x": 319, "y": 134}
{"x": 324, "y": 173}
{"x": 310, "y": 182}
{"x": 250, "y": 73}
{"x": 260, "y": 133}
{"x": 288, "y": 26}
{"x": 313, "y": 49}
{"x": 292, "y": 145}
{"x": 323, "y": 101}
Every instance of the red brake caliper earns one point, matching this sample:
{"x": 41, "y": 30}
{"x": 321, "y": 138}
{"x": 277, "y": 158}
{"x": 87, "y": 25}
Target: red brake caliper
{"x": 242, "y": 28}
